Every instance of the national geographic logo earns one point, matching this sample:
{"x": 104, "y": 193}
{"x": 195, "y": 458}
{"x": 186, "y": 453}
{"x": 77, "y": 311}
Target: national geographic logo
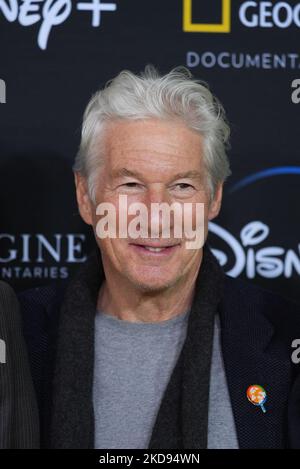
{"x": 189, "y": 26}
{"x": 251, "y": 14}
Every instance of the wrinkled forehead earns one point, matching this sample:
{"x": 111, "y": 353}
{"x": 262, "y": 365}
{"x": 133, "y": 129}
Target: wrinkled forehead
{"x": 151, "y": 143}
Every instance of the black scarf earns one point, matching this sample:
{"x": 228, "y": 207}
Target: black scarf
{"x": 182, "y": 419}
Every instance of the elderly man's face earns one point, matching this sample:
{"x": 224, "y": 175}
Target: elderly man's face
{"x": 150, "y": 161}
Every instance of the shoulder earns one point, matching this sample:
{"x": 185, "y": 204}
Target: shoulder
{"x": 41, "y": 304}
{"x": 40, "y": 311}
{"x": 256, "y": 296}
{"x": 282, "y": 313}
{"x": 42, "y": 297}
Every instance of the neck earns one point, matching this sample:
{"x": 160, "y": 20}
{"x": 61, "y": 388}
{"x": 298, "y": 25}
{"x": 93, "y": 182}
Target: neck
{"x": 132, "y": 304}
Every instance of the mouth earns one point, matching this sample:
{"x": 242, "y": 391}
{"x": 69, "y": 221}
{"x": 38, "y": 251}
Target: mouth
{"x": 155, "y": 250}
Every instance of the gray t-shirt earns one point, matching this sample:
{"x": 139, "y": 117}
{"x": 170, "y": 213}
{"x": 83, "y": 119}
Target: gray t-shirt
{"x": 133, "y": 364}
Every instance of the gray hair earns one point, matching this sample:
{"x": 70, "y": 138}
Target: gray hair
{"x": 150, "y": 95}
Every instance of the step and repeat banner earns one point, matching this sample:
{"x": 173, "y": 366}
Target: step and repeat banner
{"x": 55, "y": 54}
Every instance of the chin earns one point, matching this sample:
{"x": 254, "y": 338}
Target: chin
{"x": 152, "y": 283}
{"x": 152, "y": 287}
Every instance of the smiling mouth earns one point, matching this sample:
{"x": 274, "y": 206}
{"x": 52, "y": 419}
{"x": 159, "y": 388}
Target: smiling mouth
{"x": 155, "y": 250}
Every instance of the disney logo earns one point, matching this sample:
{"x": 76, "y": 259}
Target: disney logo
{"x": 268, "y": 262}
{"x": 50, "y": 13}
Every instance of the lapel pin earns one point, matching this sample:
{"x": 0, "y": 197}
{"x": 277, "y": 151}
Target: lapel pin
{"x": 257, "y": 396}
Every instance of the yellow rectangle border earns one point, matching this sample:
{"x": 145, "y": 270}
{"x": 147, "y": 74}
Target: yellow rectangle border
{"x": 223, "y": 27}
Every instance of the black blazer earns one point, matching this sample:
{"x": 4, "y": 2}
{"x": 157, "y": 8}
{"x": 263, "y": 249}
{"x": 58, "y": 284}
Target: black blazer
{"x": 19, "y": 422}
{"x": 257, "y": 330}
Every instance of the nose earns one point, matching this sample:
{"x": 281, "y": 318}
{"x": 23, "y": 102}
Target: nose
{"x": 160, "y": 219}
{"x": 157, "y": 193}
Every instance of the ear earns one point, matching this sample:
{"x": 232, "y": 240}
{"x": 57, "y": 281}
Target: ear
{"x": 215, "y": 204}
{"x": 83, "y": 199}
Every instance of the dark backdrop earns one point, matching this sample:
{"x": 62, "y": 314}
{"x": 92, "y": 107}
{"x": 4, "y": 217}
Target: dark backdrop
{"x": 50, "y": 77}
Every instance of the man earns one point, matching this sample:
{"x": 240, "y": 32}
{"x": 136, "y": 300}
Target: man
{"x": 19, "y": 421}
{"x": 156, "y": 347}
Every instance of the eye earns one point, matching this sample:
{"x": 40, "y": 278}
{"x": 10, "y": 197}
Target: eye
{"x": 183, "y": 186}
{"x": 183, "y": 189}
{"x": 131, "y": 184}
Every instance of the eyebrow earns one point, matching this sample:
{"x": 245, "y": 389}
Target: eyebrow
{"x": 189, "y": 174}
{"x": 126, "y": 172}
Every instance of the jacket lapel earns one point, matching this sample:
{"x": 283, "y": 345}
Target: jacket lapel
{"x": 253, "y": 355}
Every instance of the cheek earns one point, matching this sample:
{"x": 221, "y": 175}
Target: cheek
{"x": 195, "y": 217}
{"x": 114, "y": 251}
